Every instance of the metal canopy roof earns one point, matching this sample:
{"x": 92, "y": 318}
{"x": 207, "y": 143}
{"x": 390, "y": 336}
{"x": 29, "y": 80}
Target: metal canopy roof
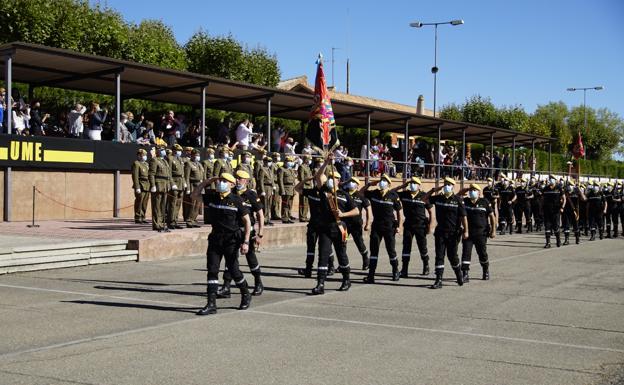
{"x": 45, "y": 66}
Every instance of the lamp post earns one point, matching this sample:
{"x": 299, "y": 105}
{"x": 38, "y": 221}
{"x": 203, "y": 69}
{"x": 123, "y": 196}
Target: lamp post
{"x": 434, "y": 69}
{"x": 584, "y": 89}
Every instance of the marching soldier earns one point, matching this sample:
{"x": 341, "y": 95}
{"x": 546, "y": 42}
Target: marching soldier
{"x": 613, "y": 201}
{"x": 276, "y": 205}
{"x": 536, "y": 206}
{"x": 194, "y": 174}
{"x": 505, "y": 212}
{"x": 490, "y": 192}
{"x": 481, "y": 225}
{"x": 417, "y": 223}
{"x": 385, "y": 204}
{"x": 571, "y": 213}
{"x": 522, "y": 206}
{"x": 354, "y": 224}
{"x": 245, "y": 165}
{"x": 304, "y": 172}
{"x": 619, "y": 192}
{"x": 187, "y": 204}
{"x": 177, "y": 188}
{"x": 451, "y": 218}
{"x": 231, "y": 228}
{"x": 287, "y": 177}
{"x": 141, "y": 186}
{"x": 254, "y": 205}
{"x": 160, "y": 185}
{"x": 554, "y": 202}
{"x": 222, "y": 164}
{"x": 265, "y": 187}
{"x": 596, "y": 207}
{"x": 583, "y": 221}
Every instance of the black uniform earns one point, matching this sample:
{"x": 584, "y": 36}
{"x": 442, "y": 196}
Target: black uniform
{"x": 583, "y": 220}
{"x": 595, "y": 207}
{"x": 253, "y": 205}
{"x": 552, "y": 212}
{"x": 621, "y": 211}
{"x": 314, "y": 200}
{"x": 383, "y": 227}
{"x": 536, "y": 207}
{"x": 449, "y": 213}
{"x": 613, "y": 200}
{"x": 491, "y": 194}
{"x": 477, "y": 213}
{"x": 415, "y": 226}
{"x": 522, "y": 207}
{"x": 505, "y": 213}
{"x": 354, "y": 226}
{"x": 226, "y": 213}
{"x": 570, "y": 215}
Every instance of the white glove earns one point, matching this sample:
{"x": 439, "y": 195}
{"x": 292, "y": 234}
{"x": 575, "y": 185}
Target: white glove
{"x": 188, "y": 192}
{"x": 185, "y": 186}
{"x": 174, "y": 187}
{"x": 274, "y": 188}
{"x": 153, "y": 189}
{"x": 138, "y": 191}
{"x": 263, "y": 194}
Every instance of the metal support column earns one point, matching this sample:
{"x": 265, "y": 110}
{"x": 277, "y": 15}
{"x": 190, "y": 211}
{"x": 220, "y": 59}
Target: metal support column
{"x": 203, "y": 116}
{"x": 268, "y": 126}
{"x": 549, "y": 158}
{"x": 492, "y": 155}
{"x": 514, "y": 174}
{"x": 463, "y": 170}
{"x": 406, "y": 166}
{"x": 368, "y": 145}
{"x": 116, "y": 193}
{"x": 531, "y": 163}
{"x": 117, "y": 106}
{"x": 31, "y": 94}
{"x": 438, "y": 167}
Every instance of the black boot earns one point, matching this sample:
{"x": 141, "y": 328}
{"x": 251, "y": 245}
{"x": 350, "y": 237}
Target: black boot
{"x": 519, "y": 228}
{"x": 320, "y": 283}
{"x": 258, "y": 286}
{"x": 346, "y": 281}
{"x": 458, "y": 276}
{"x": 404, "y": 268}
{"x": 425, "y": 266}
{"x": 558, "y": 238}
{"x": 307, "y": 272}
{"x": 593, "y": 235}
{"x": 600, "y": 234}
{"x": 211, "y": 306}
{"x": 577, "y": 235}
{"x": 465, "y": 276}
{"x": 396, "y": 274}
{"x": 365, "y": 261}
{"x": 224, "y": 291}
{"x": 566, "y": 239}
{"x": 608, "y": 232}
{"x": 530, "y": 227}
{"x": 547, "y": 245}
{"x": 245, "y": 296}
{"x": 370, "y": 278}
{"x": 438, "y": 281}
{"x": 486, "y": 272}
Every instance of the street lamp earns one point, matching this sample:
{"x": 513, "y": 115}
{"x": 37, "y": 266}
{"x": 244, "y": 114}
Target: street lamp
{"x": 584, "y": 89}
{"x": 434, "y": 69}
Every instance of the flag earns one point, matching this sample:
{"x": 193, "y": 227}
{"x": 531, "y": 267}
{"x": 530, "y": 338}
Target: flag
{"x": 579, "y": 150}
{"x": 322, "y": 125}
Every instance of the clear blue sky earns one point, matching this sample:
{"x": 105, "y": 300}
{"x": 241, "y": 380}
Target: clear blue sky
{"x": 516, "y": 52}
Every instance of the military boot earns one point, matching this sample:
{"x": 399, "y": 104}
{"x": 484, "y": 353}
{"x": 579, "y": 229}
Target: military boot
{"x": 593, "y": 235}
{"x": 320, "y": 283}
{"x": 258, "y": 286}
{"x": 465, "y": 276}
{"x": 404, "y": 268}
{"x": 577, "y": 235}
{"x": 346, "y": 281}
{"x": 600, "y": 234}
{"x": 608, "y": 231}
{"x": 547, "y": 245}
{"x": 370, "y": 278}
{"x": 458, "y": 276}
{"x": 396, "y": 274}
{"x": 558, "y": 239}
{"x": 211, "y": 306}
{"x": 425, "y": 265}
{"x": 486, "y": 272}
{"x": 307, "y": 272}
{"x": 530, "y": 227}
{"x": 438, "y": 281}
{"x": 365, "y": 261}
{"x": 245, "y": 296}
{"x": 566, "y": 239}
{"x": 224, "y": 291}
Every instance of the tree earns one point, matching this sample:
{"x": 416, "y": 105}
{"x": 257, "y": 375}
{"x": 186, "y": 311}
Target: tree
{"x": 261, "y": 67}
{"x": 603, "y": 134}
{"x": 451, "y": 112}
{"x": 512, "y": 118}
{"x": 554, "y": 116}
{"x": 217, "y": 56}
{"x": 479, "y": 110}
{"x": 152, "y": 42}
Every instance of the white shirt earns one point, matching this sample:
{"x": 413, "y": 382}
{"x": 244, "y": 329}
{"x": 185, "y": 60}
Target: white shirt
{"x": 243, "y": 134}
{"x": 290, "y": 148}
{"x": 19, "y": 121}
{"x": 75, "y": 121}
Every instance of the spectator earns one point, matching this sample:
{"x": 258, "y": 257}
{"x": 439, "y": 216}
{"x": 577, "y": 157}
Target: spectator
{"x": 289, "y": 148}
{"x": 169, "y": 126}
{"x": 97, "y": 116}
{"x": 243, "y": 134}
{"x": 20, "y": 119}
{"x": 160, "y": 139}
{"x": 124, "y": 133}
{"x": 144, "y": 140}
{"x": 276, "y": 136}
{"x": 2, "y": 109}
{"x": 75, "y": 120}
{"x": 191, "y": 137}
{"x": 255, "y": 144}
{"x": 131, "y": 126}
{"x": 223, "y": 131}
{"x": 308, "y": 150}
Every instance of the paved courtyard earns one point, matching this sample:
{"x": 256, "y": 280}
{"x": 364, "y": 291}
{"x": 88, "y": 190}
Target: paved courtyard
{"x": 547, "y": 317}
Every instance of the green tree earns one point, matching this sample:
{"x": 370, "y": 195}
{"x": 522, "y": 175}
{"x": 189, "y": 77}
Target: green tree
{"x": 153, "y": 42}
{"x": 479, "y": 110}
{"x": 603, "y": 133}
{"x": 261, "y": 67}
{"x": 513, "y": 118}
{"x": 554, "y": 116}
{"x": 452, "y": 112}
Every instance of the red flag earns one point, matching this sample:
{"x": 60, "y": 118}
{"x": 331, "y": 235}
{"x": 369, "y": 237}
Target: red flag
{"x": 579, "y": 150}
{"x": 322, "y": 109}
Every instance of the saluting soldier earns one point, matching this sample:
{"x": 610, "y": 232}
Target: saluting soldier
{"x": 355, "y": 223}
{"x": 141, "y": 185}
{"x": 231, "y": 229}
{"x": 177, "y": 188}
{"x": 554, "y": 202}
{"x": 287, "y": 178}
{"x": 522, "y": 206}
{"x": 505, "y": 212}
{"x": 265, "y": 187}
{"x": 194, "y": 175}
{"x": 276, "y": 205}
{"x": 417, "y": 223}
{"x": 481, "y": 225}
{"x": 245, "y": 165}
{"x": 385, "y": 205}
{"x": 574, "y": 196}
{"x": 254, "y": 204}
{"x": 304, "y": 172}
{"x": 187, "y": 157}
{"x": 451, "y": 219}
{"x": 160, "y": 185}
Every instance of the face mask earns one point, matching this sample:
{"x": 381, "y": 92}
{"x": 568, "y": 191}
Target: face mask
{"x": 383, "y": 184}
{"x": 269, "y": 164}
{"x": 330, "y": 183}
{"x": 289, "y": 164}
{"x": 223, "y": 186}
{"x": 211, "y": 156}
{"x": 197, "y": 159}
{"x": 163, "y": 153}
{"x": 178, "y": 154}
{"x": 552, "y": 182}
{"x": 351, "y": 186}
{"x": 414, "y": 187}
{"x": 240, "y": 186}
{"x": 473, "y": 194}
{"x": 144, "y": 158}
{"x": 447, "y": 189}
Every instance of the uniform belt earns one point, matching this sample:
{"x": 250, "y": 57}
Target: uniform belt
{"x": 195, "y": 180}
{"x": 177, "y": 176}
{"x": 162, "y": 177}
{"x": 289, "y": 184}
{"x": 145, "y": 179}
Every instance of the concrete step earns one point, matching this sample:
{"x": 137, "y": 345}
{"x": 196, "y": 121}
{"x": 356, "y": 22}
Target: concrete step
{"x": 45, "y": 253}
{"x": 43, "y": 266}
{"x": 101, "y": 260}
{"x": 117, "y": 253}
{"x": 115, "y": 247}
{"x": 44, "y": 260}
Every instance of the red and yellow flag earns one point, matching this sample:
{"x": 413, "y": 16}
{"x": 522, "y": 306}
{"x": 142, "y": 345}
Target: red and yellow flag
{"x": 322, "y": 110}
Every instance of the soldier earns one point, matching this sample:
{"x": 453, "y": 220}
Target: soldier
{"x": 160, "y": 185}
{"x": 177, "y": 189}
{"x": 481, "y": 225}
{"x": 385, "y": 204}
{"x": 490, "y": 192}
{"x": 276, "y": 204}
{"x": 208, "y": 165}
{"x": 354, "y": 224}
{"x": 245, "y": 165}
{"x": 141, "y": 185}
{"x": 613, "y": 201}
{"x": 265, "y": 187}
{"x": 304, "y": 172}
{"x": 222, "y": 164}
{"x": 505, "y": 212}
{"x": 334, "y": 206}
{"x": 194, "y": 175}
{"x": 583, "y": 222}
{"x": 620, "y": 192}
{"x": 287, "y": 178}
{"x": 571, "y": 213}
{"x": 254, "y": 205}
{"x": 554, "y": 202}
{"x": 596, "y": 207}
{"x": 451, "y": 218}
{"x": 522, "y": 206}
{"x": 536, "y": 206}
{"x": 228, "y": 214}
{"x": 187, "y": 204}
{"x": 417, "y": 223}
